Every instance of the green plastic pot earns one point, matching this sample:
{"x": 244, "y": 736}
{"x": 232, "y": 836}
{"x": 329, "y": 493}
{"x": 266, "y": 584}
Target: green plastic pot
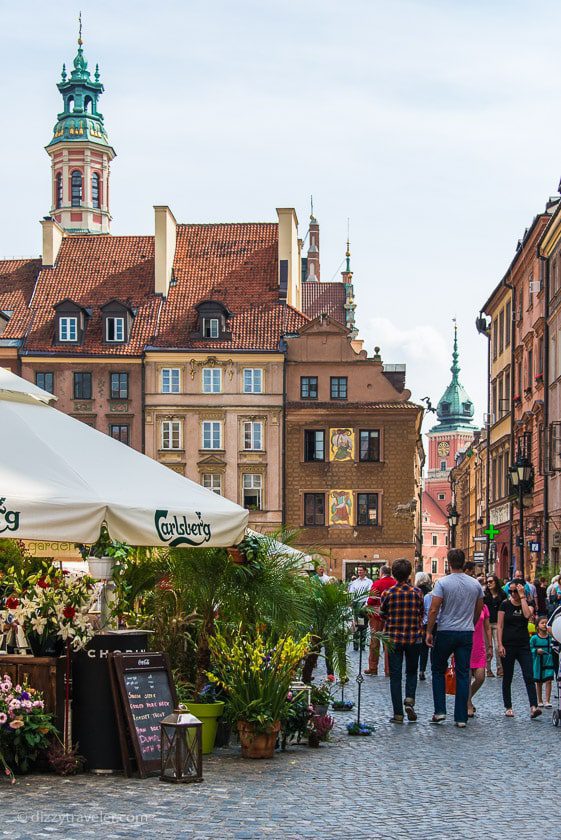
{"x": 208, "y": 714}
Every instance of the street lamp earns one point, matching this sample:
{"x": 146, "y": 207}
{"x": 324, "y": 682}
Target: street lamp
{"x": 453, "y": 517}
{"x": 520, "y": 478}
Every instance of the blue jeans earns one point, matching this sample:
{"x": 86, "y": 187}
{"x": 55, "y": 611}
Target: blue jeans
{"x": 396, "y": 656}
{"x": 446, "y": 643}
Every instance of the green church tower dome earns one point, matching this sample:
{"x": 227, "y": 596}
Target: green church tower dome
{"x": 455, "y": 409}
{"x": 80, "y": 119}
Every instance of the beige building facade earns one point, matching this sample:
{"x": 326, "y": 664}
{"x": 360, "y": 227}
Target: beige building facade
{"x": 217, "y": 419}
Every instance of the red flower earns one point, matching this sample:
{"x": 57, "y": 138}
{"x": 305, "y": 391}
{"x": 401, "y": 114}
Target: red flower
{"x": 12, "y": 603}
{"x": 43, "y": 583}
{"x": 69, "y": 612}
{"x": 330, "y": 678}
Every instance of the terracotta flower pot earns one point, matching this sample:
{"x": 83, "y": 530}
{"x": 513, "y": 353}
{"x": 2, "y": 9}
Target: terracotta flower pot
{"x": 257, "y": 744}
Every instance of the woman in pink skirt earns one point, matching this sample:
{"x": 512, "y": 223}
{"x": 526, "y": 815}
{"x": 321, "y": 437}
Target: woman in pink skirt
{"x": 481, "y": 655}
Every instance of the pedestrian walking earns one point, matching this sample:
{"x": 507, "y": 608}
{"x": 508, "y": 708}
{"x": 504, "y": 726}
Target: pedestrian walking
{"x": 402, "y": 612}
{"x": 514, "y": 645}
{"x": 481, "y": 655}
{"x": 423, "y": 582}
{"x": 494, "y": 596}
{"x": 553, "y": 595}
{"x": 542, "y": 661}
{"x": 540, "y": 585}
{"x": 457, "y": 601}
{"x": 359, "y": 589}
{"x": 374, "y": 600}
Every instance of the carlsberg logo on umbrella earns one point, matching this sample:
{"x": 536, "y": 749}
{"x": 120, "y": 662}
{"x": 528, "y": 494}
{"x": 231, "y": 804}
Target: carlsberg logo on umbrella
{"x": 9, "y": 519}
{"x": 177, "y": 530}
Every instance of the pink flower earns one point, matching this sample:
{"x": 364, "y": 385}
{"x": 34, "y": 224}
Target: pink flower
{"x": 3, "y": 718}
{"x": 37, "y": 704}
{"x": 16, "y": 724}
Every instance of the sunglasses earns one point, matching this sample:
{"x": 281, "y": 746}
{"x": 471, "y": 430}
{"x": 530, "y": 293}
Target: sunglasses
{"x": 513, "y": 591}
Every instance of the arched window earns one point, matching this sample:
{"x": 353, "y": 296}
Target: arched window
{"x": 88, "y": 104}
{"x": 58, "y": 190}
{"x": 70, "y": 104}
{"x": 95, "y": 190}
{"x": 76, "y": 188}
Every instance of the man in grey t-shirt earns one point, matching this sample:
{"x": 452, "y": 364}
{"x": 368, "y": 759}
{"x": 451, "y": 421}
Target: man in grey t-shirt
{"x": 457, "y": 602}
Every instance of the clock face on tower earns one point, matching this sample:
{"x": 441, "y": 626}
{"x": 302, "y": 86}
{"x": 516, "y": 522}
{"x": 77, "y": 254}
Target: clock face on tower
{"x": 444, "y": 448}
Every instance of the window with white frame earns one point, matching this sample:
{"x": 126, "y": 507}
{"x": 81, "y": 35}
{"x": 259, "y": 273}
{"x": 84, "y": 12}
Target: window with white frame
{"x": 252, "y": 491}
{"x": 212, "y": 434}
{"x": 253, "y": 435}
{"x": 114, "y": 329}
{"x": 434, "y": 567}
{"x": 212, "y": 380}
{"x": 170, "y": 380}
{"x": 171, "y": 434}
{"x": 211, "y": 327}
{"x": 67, "y": 329}
{"x": 213, "y": 481}
{"x": 252, "y": 381}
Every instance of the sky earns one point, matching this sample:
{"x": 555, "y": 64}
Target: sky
{"x": 432, "y": 125}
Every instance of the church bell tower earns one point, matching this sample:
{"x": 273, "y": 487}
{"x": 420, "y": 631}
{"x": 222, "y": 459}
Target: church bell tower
{"x": 80, "y": 153}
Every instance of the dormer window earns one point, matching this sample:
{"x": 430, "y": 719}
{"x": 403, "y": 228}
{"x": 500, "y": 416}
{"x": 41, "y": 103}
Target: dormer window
{"x": 212, "y": 321}
{"x": 445, "y": 407}
{"x": 114, "y": 329}
{"x": 467, "y": 408}
{"x": 117, "y": 322}
{"x": 211, "y": 327}
{"x": 68, "y": 328}
{"x": 71, "y": 321}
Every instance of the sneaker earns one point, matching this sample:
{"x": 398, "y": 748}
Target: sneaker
{"x": 409, "y": 710}
{"x": 460, "y": 724}
{"x": 422, "y": 676}
{"x": 371, "y": 673}
{"x": 396, "y": 719}
{"x": 535, "y": 712}
{"x": 438, "y": 718}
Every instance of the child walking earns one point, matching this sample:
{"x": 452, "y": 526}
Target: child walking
{"x": 542, "y": 658}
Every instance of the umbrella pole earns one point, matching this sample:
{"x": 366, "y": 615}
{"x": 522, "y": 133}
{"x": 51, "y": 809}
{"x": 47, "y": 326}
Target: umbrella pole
{"x": 67, "y": 735}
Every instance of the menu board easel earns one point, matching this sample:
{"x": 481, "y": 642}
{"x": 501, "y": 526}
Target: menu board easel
{"x": 143, "y": 694}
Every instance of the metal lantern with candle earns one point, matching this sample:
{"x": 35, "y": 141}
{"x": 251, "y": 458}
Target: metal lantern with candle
{"x": 181, "y": 748}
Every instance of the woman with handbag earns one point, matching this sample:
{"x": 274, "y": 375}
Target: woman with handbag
{"x": 514, "y": 645}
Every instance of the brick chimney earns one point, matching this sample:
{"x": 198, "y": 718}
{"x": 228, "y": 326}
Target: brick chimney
{"x": 164, "y": 248}
{"x": 289, "y": 257}
{"x": 53, "y": 234}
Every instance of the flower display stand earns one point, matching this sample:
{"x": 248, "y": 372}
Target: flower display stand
{"x": 45, "y": 673}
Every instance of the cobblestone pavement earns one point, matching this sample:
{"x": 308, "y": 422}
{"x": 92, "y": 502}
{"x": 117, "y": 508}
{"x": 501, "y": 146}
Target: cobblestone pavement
{"x": 499, "y": 778}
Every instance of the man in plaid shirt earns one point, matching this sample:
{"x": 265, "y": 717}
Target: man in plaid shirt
{"x": 402, "y": 610}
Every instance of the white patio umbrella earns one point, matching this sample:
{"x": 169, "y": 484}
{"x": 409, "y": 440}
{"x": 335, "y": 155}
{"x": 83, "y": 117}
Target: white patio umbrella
{"x": 61, "y": 480}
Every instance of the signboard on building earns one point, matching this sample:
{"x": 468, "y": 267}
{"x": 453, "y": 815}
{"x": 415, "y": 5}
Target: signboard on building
{"x": 500, "y": 514}
{"x": 479, "y": 556}
{"x": 535, "y": 547}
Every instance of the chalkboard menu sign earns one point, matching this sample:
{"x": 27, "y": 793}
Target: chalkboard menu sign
{"x": 144, "y": 694}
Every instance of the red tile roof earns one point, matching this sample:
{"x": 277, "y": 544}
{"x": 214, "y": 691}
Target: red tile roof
{"x": 233, "y": 263}
{"x": 91, "y": 270}
{"x": 237, "y": 265}
{"x": 318, "y": 297}
{"x": 17, "y": 281}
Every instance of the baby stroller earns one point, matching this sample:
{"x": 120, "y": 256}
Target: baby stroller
{"x": 556, "y": 717}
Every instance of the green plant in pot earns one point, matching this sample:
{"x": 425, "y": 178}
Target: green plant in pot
{"x": 255, "y": 672}
{"x": 196, "y": 589}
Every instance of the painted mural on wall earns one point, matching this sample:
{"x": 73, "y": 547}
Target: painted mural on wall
{"x": 341, "y": 444}
{"x": 340, "y": 507}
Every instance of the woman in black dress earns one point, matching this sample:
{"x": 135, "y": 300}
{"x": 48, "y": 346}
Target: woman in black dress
{"x": 514, "y": 645}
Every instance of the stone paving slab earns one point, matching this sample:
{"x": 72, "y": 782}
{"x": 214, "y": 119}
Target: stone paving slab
{"x": 499, "y": 778}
